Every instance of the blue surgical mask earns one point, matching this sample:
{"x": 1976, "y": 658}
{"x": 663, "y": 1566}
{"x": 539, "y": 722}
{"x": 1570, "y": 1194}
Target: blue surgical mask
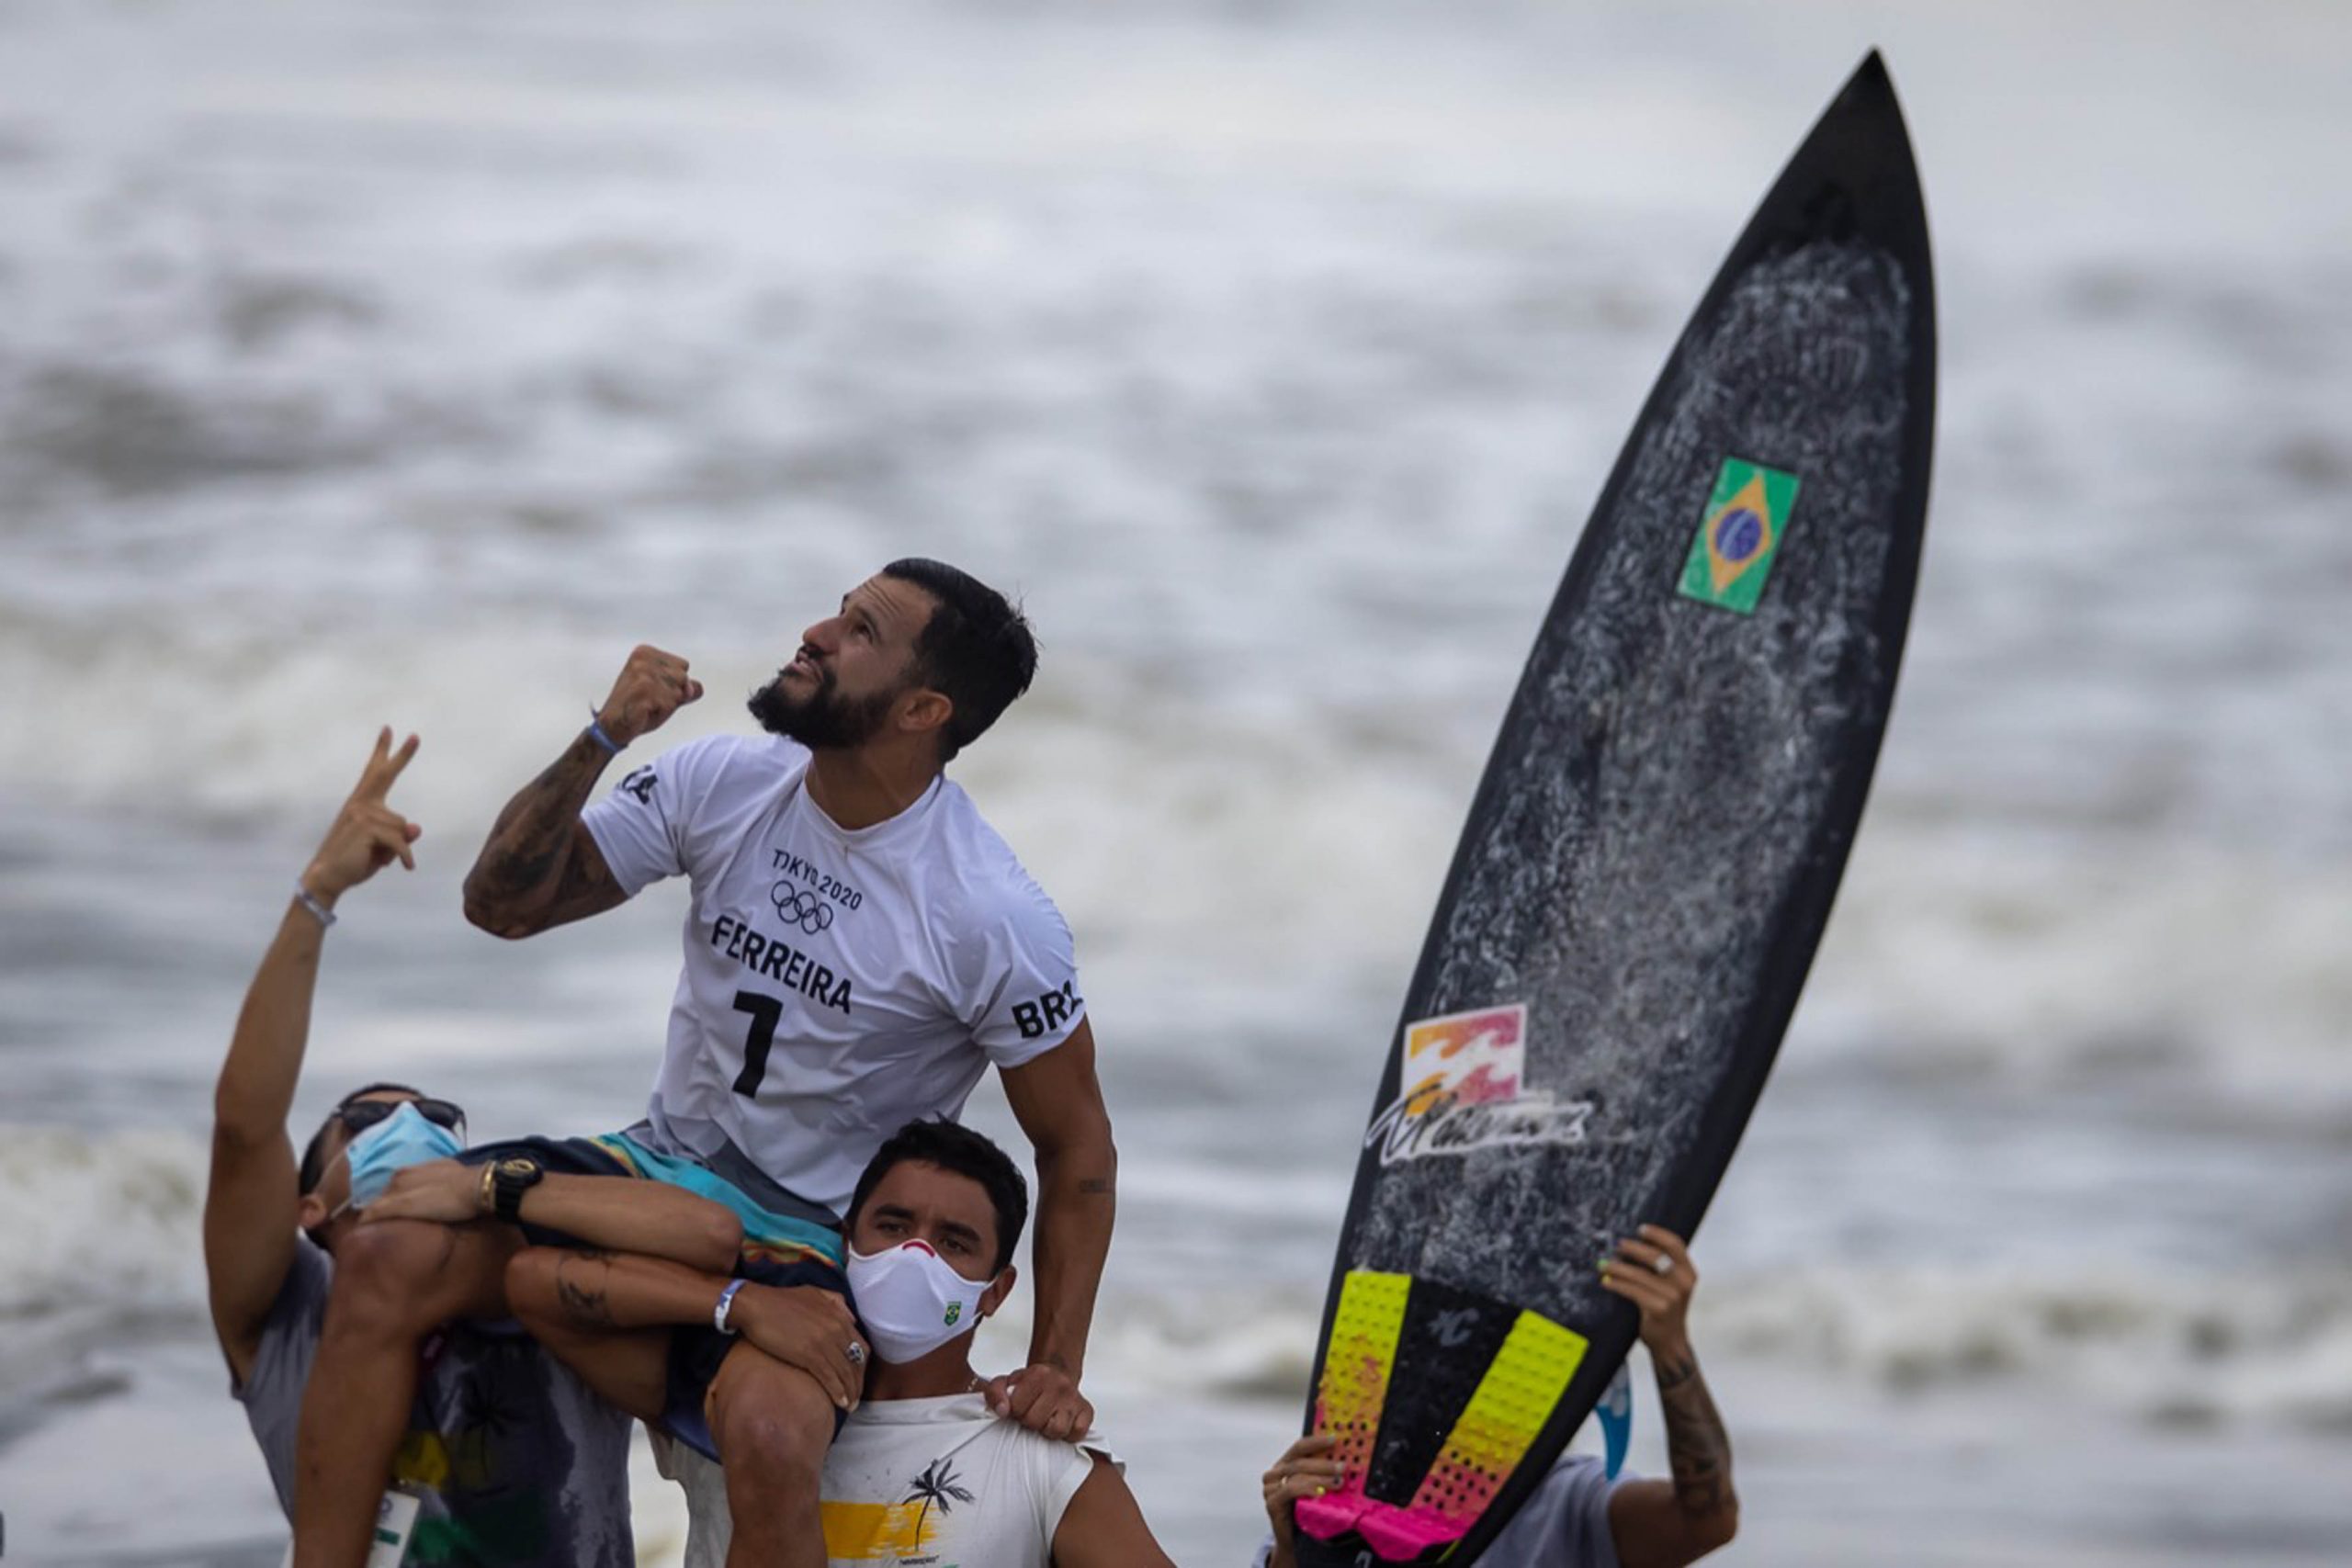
{"x": 402, "y": 1139}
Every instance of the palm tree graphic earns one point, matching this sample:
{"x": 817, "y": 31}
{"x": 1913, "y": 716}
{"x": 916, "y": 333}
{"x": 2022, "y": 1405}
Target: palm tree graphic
{"x": 935, "y": 1485}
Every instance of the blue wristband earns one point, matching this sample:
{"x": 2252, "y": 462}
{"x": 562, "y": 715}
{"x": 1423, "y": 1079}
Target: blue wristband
{"x": 725, "y": 1304}
{"x": 597, "y": 733}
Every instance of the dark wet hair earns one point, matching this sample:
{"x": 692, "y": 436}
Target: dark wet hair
{"x": 314, "y": 1154}
{"x": 976, "y": 649}
{"x": 954, "y": 1148}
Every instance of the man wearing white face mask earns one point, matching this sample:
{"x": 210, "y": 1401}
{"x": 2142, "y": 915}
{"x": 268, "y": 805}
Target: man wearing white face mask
{"x": 922, "y": 1471}
{"x": 510, "y": 1460}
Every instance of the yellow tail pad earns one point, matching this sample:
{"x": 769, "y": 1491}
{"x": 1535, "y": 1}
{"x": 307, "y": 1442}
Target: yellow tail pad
{"x": 1513, "y": 1400}
{"x": 1357, "y": 1363}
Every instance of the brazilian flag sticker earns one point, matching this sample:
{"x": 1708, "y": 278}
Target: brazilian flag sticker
{"x": 1738, "y": 535}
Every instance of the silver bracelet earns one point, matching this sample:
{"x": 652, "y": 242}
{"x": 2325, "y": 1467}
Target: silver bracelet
{"x": 302, "y": 897}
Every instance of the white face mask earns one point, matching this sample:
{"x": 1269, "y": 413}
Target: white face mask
{"x": 911, "y": 1301}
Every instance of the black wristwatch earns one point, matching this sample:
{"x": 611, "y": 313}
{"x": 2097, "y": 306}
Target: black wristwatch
{"x": 510, "y": 1178}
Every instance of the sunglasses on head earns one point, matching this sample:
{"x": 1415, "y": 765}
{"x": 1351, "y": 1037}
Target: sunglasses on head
{"x": 362, "y": 1115}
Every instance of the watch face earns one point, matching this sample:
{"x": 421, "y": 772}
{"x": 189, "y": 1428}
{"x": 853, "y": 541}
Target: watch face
{"x": 517, "y": 1164}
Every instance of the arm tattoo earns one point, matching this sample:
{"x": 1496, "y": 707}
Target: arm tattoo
{"x": 1697, "y": 1449}
{"x": 529, "y": 874}
{"x": 1096, "y": 1186}
{"x": 584, "y": 1303}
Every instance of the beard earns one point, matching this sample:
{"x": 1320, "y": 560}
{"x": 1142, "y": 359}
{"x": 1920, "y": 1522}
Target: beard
{"x": 824, "y": 719}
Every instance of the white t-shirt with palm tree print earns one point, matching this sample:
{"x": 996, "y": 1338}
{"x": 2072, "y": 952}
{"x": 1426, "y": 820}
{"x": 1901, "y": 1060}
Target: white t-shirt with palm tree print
{"x": 916, "y": 1483}
{"x": 942, "y": 1481}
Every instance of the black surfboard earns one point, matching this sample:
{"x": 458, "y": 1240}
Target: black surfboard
{"x": 1649, "y": 861}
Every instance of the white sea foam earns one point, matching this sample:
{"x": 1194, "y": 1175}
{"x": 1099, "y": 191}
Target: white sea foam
{"x": 2272, "y": 1342}
{"x": 1194, "y": 849}
{"x": 2164, "y": 1350}
{"x": 99, "y": 1223}
{"x": 2043, "y": 962}
{"x": 2160, "y": 1349}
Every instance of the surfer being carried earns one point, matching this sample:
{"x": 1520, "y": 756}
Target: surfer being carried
{"x": 860, "y": 946}
{"x": 1580, "y": 1517}
{"x": 548, "y": 1490}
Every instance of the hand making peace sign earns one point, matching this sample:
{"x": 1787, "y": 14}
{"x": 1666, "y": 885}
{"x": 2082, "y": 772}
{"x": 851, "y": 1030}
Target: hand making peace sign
{"x": 368, "y": 834}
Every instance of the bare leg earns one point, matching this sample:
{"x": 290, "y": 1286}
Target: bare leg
{"x": 394, "y": 1282}
{"x": 559, "y": 1295}
{"x": 772, "y": 1423}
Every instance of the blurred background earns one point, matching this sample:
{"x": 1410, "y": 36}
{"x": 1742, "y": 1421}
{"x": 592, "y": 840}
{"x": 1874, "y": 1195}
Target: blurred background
{"x": 408, "y": 363}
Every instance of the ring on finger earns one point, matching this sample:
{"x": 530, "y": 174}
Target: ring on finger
{"x": 857, "y": 1354}
{"x": 1663, "y": 1263}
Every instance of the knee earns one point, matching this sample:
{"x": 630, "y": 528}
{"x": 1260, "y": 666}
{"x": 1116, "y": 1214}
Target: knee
{"x": 384, "y": 1276}
{"x": 768, "y": 1451}
{"x": 767, "y": 1440}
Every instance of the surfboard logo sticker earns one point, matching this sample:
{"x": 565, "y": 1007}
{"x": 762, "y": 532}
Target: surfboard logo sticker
{"x": 1462, "y": 1090}
{"x": 1739, "y": 533}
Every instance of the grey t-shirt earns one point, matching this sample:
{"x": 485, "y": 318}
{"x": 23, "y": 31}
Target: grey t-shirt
{"x": 517, "y": 1462}
{"x": 1564, "y": 1525}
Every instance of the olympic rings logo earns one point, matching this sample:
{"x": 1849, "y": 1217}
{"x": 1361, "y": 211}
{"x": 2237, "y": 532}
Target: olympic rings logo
{"x": 800, "y": 907}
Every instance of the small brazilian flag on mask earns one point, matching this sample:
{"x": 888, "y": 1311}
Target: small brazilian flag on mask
{"x": 1738, "y": 534}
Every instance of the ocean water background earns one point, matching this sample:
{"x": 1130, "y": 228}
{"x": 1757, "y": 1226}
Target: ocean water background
{"x": 408, "y": 363}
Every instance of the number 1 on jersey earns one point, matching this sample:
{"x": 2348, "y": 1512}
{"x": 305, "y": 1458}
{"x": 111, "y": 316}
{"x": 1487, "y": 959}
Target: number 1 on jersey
{"x": 764, "y": 1012}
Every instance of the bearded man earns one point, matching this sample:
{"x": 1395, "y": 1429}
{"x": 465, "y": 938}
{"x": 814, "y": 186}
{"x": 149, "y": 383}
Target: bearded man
{"x": 860, "y": 946}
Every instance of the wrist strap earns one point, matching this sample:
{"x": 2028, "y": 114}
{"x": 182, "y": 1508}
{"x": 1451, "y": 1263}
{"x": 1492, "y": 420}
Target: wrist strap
{"x": 597, "y": 733}
{"x": 725, "y": 1301}
{"x": 302, "y": 897}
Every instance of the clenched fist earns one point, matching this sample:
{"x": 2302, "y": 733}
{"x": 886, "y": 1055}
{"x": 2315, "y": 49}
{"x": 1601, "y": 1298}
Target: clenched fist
{"x": 652, "y": 686}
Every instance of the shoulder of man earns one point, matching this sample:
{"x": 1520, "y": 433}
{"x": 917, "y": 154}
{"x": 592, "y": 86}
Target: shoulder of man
{"x": 296, "y": 1316}
{"x": 1092, "y": 1442}
{"x": 677, "y": 781}
{"x": 1566, "y": 1518}
{"x": 706, "y": 757}
{"x": 991, "y": 883}
{"x": 310, "y": 1275}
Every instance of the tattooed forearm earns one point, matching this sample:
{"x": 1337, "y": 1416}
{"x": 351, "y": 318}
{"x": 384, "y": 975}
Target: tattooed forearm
{"x": 1698, "y": 1449}
{"x": 581, "y": 1293}
{"x": 1699, "y": 1484}
{"x": 529, "y": 874}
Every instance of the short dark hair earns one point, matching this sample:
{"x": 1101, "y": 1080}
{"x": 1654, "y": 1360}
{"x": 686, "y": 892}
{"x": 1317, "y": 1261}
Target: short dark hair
{"x": 314, "y": 1153}
{"x": 960, "y": 1150}
{"x": 976, "y": 648}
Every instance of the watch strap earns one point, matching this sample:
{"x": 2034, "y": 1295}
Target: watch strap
{"x": 513, "y": 1177}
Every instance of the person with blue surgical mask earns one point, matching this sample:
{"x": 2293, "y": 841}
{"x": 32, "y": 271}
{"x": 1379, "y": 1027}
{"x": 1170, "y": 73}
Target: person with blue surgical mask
{"x": 382, "y": 1145}
{"x": 505, "y": 1457}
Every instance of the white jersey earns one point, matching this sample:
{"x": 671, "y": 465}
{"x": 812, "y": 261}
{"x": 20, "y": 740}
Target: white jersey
{"x": 837, "y": 984}
{"x": 915, "y": 1481}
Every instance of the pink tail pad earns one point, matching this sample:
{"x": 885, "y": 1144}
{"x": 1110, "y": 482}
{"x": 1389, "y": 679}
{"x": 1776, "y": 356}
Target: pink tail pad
{"x": 1327, "y": 1519}
{"x": 1401, "y": 1535}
